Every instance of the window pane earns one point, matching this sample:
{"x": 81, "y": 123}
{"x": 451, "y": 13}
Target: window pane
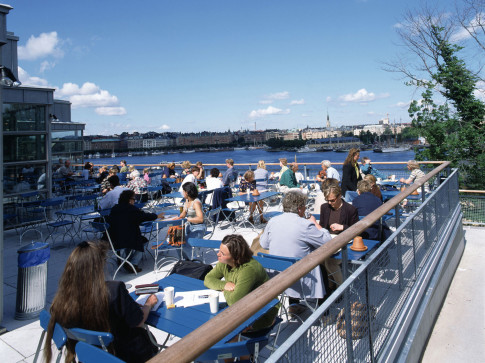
{"x": 22, "y": 179}
{"x": 23, "y": 148}
{"x": 23, "y": 117}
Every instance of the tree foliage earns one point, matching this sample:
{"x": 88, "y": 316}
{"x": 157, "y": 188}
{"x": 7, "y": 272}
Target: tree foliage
{"x": 456, "y": 134}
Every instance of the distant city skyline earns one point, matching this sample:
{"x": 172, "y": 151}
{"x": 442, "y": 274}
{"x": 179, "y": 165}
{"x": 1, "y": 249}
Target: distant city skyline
{"x": 192, "y": 66}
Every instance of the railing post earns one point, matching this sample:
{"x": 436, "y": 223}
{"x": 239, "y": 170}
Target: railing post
{"x": 347, "y": 309}
{"x": 305, "y": 172}
{"x": 369, "y": 315}
{"x": 414, "y": 248}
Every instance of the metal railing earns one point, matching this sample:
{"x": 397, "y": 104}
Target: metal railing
{"x": 473, "y": 207}
{"x": 404, "y": 255}
{"x": 381, "y": 294}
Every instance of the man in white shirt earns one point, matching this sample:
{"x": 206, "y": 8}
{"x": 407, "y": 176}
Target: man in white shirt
{"x": 331, "y": 172}
{"x": 111, "y": 198}
{"x": 191, "y": 178}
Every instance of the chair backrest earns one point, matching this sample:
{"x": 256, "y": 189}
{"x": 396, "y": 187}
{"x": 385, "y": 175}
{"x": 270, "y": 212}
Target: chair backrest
{"x": 168, "y": 223}
{"x": 101, "y": 339}
{"x": 237, "y": 349}
{"x": 273, "y": 263}
{"x": 59, "y": 336}
{"x": 100, "y": 226}
{"x": 87, "y": 353}
{"x": 281, "y": 258}
{"x": 53, "y": 202}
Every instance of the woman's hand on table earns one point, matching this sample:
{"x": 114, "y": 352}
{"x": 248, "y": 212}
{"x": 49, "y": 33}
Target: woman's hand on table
{"x": 229, "y": 286}
{"x": 151, "y": 301}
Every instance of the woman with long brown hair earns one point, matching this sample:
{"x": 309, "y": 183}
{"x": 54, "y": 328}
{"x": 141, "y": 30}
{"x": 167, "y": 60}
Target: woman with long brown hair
{"x": 351, "y": 172}
{"x": 85, "y": 300}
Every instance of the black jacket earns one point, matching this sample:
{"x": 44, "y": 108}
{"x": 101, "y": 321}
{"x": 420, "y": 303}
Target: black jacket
{"x": 349, "y": 179}
{"x": 348, "y": 215}
{"x": 124, "y": 226}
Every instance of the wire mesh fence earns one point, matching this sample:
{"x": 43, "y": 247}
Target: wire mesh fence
{"x": 358, "y": 320}
{"x": 473, "y": 208}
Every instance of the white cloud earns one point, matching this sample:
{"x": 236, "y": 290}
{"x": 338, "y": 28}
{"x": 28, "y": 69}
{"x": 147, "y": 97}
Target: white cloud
{"x": 28, "y": 80}
{"x": 164, "y": 127}
{"x": 362, "y": 95}
{"x": 91, "y": 95}
{"x": 402, "y": 104}
{"x": 265, "y": 102}
{"x": 110, "y": 111}
{"x": 297, "y": 102}
{"x": 279, "y": 96}
{"x": 268, "y": 111}
{"x": 463, "y": 33}
{"x": 45, "y": 45}
{"x": 329, "y": 99}
{"x": 46, "y": 65}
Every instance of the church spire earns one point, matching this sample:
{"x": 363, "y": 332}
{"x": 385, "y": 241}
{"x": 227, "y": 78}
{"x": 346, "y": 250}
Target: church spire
{"x": 328, "y": 120}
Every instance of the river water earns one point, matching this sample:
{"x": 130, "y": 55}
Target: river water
{"x": 252, "y": 157}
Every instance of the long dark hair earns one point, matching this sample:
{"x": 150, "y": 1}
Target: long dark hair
{"x": 238, "y": 248}
{"x": 81, "y": 300}
{"x": 350, "y": 157}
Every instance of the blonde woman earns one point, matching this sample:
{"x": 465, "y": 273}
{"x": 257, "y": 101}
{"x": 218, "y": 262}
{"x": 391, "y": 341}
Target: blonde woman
{"x": 261, "y": 176}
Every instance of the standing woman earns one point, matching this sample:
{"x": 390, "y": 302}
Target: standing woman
{"x": 351, "y": 172}
{"x": 85, "y": 300}
{"x": 195, "y": 227}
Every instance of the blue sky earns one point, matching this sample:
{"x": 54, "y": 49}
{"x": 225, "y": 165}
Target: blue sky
{"x": 200, "y": 65}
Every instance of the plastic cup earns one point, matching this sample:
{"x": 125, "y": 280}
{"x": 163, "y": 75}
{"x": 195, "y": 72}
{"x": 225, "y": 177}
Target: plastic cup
{"x": 168, "y": 295}
{"x": 214, "y": 303}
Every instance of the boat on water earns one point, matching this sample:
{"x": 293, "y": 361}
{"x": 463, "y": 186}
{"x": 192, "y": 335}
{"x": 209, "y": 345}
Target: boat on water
{"x": 129, "y": 155}
{"x": 188, "y": 151}
{"x": 240, "y": 148}
{"x": 306, "y": 149}
{"x": 341, "y": 150}
{"x": 97, "y": 155}
{"x": 391, "y": 149}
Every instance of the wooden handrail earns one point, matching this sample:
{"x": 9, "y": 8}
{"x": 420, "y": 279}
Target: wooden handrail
{"x": 201, "y": 339}
{"x": 289, "y": 162}
{"x": 471, "y": 191}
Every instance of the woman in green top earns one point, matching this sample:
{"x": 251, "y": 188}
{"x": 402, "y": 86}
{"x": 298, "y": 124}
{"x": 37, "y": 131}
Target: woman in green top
{"x": 242, "y": 274}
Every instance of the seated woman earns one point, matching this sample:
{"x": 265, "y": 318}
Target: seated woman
{"x": 237, "y": 274}
{"x": 373, "y": 183}
{"x": 261, "y": 175}
{"x": 416, "y": 173}
{"x": 247, "y": 185}
{"x": 124, "y": 228}
{"x": 213, "y": 182}
{"x": 195, "y": 226}
{"x": 138, "y": 185}
{"x": 146, "y": 171}
{"x": 336, "y": 216}
{"x": 87, "y": 170}
{"x": 85, "y": 300}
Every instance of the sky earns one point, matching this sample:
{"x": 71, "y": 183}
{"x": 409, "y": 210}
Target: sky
{"x": 200, "y": 65}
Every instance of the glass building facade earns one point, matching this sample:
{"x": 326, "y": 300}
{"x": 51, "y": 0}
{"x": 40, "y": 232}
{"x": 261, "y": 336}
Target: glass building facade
{"x": 25, "y": 135}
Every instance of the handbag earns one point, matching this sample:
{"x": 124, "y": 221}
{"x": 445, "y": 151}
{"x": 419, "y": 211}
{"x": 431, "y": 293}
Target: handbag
{"x": 176, "y": 236}
{"x": 359, "y": 321}
{"x": 191, "y": 268}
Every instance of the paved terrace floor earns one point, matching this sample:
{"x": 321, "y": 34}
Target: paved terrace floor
{"x": 458, "y": 335}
